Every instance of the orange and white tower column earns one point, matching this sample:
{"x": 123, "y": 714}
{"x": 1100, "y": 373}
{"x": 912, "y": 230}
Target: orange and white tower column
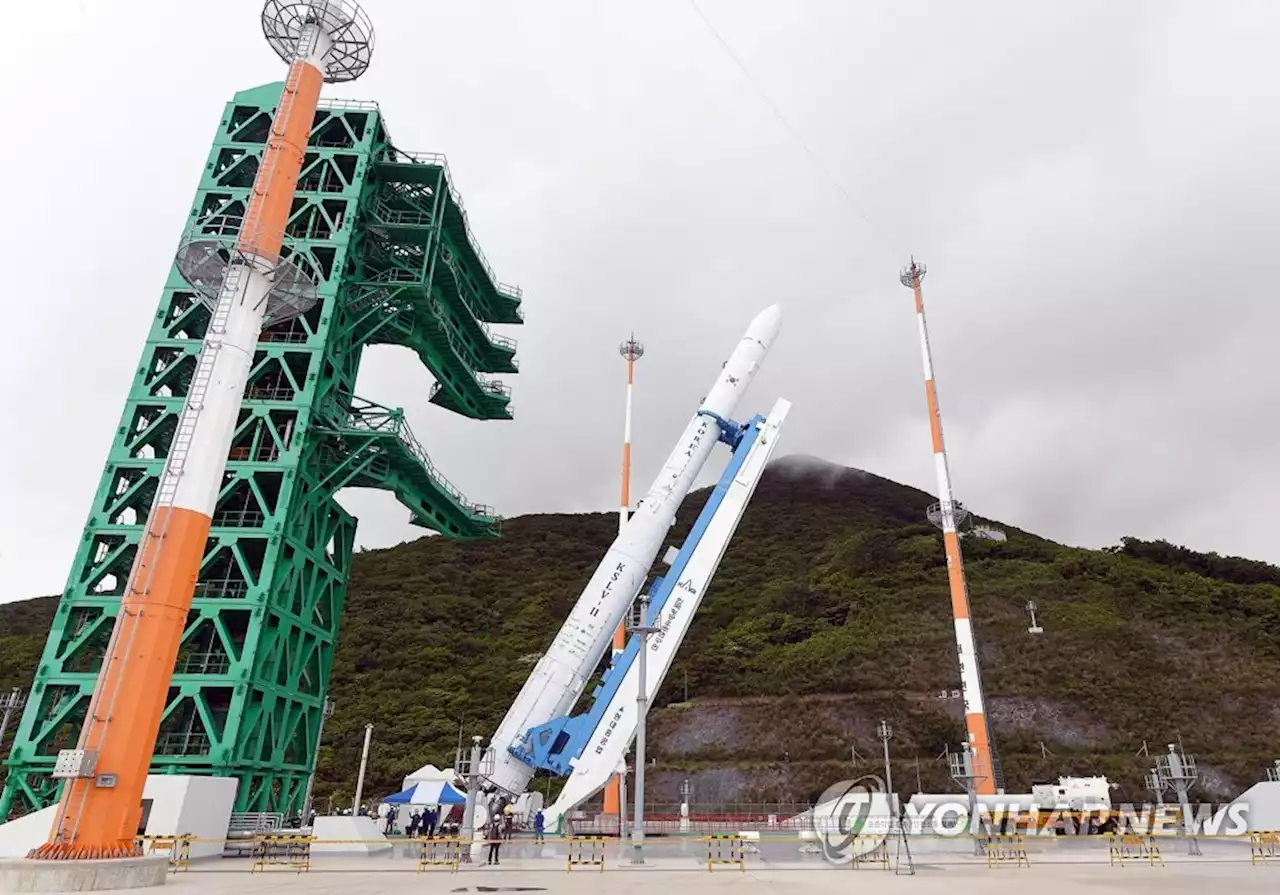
{"x": 237, "y": 267}
{"x": 948, "y": 514}
{"x": 632, "y": 351}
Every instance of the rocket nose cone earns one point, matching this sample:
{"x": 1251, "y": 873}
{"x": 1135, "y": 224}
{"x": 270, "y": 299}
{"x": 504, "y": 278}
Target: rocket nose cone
{"x": 766, "y": 324}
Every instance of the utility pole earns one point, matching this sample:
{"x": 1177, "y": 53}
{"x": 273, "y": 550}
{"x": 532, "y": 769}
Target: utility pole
{"x": 622, "y": 800}
{"x": 471, "y": 769}
{"x": 895, "y": 815}
{"x": 686, "y": 798}
{"x": 325, "y": 714}
{"x": 886, "y": 733}
{"x": 644, "y": 629}
{"x": 364, "y": 763}
{"x": 13, "y": 702}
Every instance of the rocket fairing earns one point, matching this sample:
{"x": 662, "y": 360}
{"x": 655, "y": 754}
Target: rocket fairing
{"x": 561, "y": 674}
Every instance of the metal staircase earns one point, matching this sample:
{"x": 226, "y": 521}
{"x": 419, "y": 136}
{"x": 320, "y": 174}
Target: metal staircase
{"x": 378, "y": 450}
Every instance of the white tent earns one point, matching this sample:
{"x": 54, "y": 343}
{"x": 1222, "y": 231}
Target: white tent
{"x": 429, "y": 773}
{"x": 436, "y": 793}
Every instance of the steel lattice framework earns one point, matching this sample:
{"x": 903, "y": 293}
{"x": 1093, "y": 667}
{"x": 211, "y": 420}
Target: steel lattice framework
{"x": 388, "y": 235}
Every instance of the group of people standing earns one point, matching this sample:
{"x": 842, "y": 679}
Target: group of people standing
{"x": 501, "y": 825}
{"x": 426, "y": 822}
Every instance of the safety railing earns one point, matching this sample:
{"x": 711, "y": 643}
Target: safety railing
{"x": 361, "y": 104}
{"x": 238, "y": 518}
{"x": 438, "y": 160}
{"x": 221, "y": 588}
{"x": 204, "y": 663}
{"x": 182, "y": 744}
{"x": 395, "y": 217}
{"x": 255, "y": 822}
{"x": 269, "y": 393}
{"x": 501, "y": 341}
{"x": 266, "y": 452}
{"x": 370, "y": 417}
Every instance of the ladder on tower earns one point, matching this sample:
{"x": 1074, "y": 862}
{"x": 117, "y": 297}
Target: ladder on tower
{"x": 997, "y": 767}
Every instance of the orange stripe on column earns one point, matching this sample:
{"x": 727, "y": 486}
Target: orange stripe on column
{"x": 955, "y": 575}
{"x": 146, "y": 648}
{"x": 935, "y": 416}
{"x": 268, "y": 212}
{"x": 976, "y": 722}
{"x": 626, "y": 474}
{"x": 613, "y": 796}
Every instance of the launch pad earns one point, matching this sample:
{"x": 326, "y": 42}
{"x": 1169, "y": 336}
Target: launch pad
{"x": 677, "y": 874}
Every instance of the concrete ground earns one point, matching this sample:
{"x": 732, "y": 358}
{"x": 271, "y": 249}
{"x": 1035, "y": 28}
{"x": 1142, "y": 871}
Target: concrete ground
{"x": 775, "y": 867}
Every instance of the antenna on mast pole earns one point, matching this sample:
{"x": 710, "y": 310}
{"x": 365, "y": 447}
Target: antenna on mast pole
{"x": 948, "y": 514}
{"x": 631, "y": 351}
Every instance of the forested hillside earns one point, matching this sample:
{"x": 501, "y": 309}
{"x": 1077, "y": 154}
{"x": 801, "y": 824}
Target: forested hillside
{"x": 829, "y": 613}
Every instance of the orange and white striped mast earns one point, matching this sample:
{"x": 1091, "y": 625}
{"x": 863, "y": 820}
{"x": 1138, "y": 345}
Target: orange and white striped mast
{"x": 632, "y": 351}
{"x": 236, "y": 265}
{"x": 948, "y": 514}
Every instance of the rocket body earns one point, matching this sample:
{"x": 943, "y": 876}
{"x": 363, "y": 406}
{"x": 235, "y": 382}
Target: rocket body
{"x": 561, "y": 674}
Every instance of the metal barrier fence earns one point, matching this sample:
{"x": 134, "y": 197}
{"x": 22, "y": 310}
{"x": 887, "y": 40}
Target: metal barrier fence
{"x": 282, "y": 850}
{"x": 1124, "y": 847}
{"x": 439, "y": 853}
{"x": 586, "y": 850}
{"x": 298, "y": 852}
{"x": 870, "y": 850}
{"x": 176, "y": 848}
{"x": 1006, "y": 849}
{"x": 726, "y": 849}
{"x": 1264, "y": 847}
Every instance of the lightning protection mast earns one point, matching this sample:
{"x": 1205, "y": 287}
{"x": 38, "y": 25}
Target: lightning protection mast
{"x": 631, "y": 351}
{"x": 237, "y": 266}
{"x": 947, "y": 514}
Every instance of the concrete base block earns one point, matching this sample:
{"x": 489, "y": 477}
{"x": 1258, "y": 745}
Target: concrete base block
{"x": 82, "y": 876}
{"x": 348, "y": 835}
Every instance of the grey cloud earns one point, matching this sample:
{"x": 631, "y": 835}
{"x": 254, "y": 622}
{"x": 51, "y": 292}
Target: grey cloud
{"x": 1089, "y": 182}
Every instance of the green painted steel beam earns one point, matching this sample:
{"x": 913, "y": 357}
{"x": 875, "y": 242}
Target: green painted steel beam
{"x": 248, "y": 690}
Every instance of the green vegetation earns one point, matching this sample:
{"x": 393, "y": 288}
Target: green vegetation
{"x": 830, "y": 612}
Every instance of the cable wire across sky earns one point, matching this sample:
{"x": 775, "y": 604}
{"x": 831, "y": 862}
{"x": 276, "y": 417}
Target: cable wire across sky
{"x": 795, "y": 134}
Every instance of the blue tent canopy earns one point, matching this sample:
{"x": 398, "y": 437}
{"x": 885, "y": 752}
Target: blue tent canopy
{"x": 436, "y": 792}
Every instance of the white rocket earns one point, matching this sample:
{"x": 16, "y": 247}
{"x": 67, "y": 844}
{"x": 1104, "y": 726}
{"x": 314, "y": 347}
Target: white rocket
{"x": 561, "y": 674}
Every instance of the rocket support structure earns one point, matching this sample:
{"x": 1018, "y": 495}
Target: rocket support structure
{"x": 245, "y": 281}
{"x": 561, "y": 675}
{"x": 948, "y": 513}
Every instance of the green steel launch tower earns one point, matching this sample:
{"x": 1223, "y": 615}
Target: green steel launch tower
{"x": 387, "y": 235}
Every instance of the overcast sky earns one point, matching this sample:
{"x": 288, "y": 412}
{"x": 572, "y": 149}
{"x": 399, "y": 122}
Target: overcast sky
{"x": 1092, "y": 185}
